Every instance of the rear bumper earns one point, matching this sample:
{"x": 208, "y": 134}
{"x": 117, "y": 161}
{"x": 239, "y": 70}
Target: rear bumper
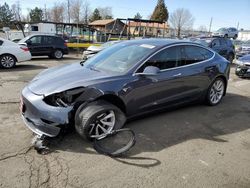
{"x": 40, "y": 117}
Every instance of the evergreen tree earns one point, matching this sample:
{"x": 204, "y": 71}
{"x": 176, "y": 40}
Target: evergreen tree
{"x": 160, "y": 12}
{"x": 36, "y": 15}
{"x": 138, "y": 16}
{"x": 6, "y": 15}
{"x": 96, "y": 15}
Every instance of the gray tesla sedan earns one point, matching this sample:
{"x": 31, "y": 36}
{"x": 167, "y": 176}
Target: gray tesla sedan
{"x": 126, "y": 80}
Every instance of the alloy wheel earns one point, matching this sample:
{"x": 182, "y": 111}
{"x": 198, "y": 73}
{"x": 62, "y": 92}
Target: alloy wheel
{"x": 216, "y": 91}
{"x": 102, "y": 124}
{"x": 7, "y": 61}
{"x": 58, "y": 54}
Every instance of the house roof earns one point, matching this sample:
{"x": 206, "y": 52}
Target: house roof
{"x": 153, "y": 25}
{"x": 102, "y": 22}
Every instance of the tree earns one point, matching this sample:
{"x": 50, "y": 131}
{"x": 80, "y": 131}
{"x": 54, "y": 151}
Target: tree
{"x": 202, "y": 28}
{"x": 36, "y": 15}
{"x": 96, "y": 15}
{"x": 181, "y": 19}
{"x": 160, "y": 12}
{"x": 17, "y": 11}
{"x": 138, "y": 16}
{"x": 75, "y": 10}
{"x": 6, "y": 15}
{"x": 56, "y": 13}
{"x": 86, "y": 12}
{"x": 106, "y": 12}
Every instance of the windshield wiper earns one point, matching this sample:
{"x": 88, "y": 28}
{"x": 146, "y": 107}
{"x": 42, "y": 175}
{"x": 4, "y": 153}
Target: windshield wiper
{"x": 82, "y": 63}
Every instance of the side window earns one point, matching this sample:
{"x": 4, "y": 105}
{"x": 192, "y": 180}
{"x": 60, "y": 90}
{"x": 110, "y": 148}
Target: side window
{"x": 165, "y": 59}
{"x": 196, "y": 54}
{"x": 216, "y": 43}
{"x": 36, "y": 40}
{"x": 48, "y": 40}
{"x": 1, "y": 42}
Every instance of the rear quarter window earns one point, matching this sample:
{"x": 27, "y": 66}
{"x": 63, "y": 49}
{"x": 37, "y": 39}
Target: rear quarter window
{"x": 196, "y": 54}
{"x": 58, "y": 40}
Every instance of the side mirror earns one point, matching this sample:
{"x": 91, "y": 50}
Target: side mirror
{"x": 150, "y": 71}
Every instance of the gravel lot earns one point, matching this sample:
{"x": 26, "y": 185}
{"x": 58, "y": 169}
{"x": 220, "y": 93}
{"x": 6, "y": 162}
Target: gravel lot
{"x": 194, "y": 146}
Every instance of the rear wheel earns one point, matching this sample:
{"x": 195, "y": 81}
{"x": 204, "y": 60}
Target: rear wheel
{"x": 215, "y": 92}
{"x": 58, "y": 54}
{"x": 98, "y": 119}
{"x": 235, "y": 36}
{"x": 226, "y": 36}
{"x": 7, "y": 61}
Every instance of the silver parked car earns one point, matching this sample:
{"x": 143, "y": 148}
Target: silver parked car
{"x": 230, "y": 32}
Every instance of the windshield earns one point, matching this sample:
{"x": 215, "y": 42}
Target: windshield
{"x": 119, "y": 58}
{"x": 24, "y": 39}
{"x": 221, "y": 29}
{"x": 247, "y": 43}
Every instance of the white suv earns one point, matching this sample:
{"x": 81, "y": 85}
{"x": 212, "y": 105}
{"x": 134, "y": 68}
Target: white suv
{"x": 230, "y": 32}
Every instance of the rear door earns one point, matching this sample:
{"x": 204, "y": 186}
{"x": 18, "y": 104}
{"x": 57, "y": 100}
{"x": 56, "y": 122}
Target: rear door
{"x": 48, "y": 45}
{"x": 224, "y": 47}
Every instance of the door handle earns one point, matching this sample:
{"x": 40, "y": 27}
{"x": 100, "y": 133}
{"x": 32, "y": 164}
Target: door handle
{"x": 176, "y": 75}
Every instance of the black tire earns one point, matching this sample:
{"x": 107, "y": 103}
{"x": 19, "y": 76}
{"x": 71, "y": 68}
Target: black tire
{"x": 58, "y": 54}
{"x": 7, "y": 61}
{"x": 226, "y": 36}
{"x": 86, "y": 118}
{"x": 209, "y": 100}
{"x": 235, "y": 37}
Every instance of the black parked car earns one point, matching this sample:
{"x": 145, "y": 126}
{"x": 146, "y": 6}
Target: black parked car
{"x": 243, "y": 66}
{"x": 45, "y": 45}
{"x": 222, "y": 46}
{"x": 125, "y": 80}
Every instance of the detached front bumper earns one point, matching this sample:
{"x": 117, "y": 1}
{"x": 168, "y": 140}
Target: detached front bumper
{"x": 41, "y": 118}
{"x": 242, "y": 71}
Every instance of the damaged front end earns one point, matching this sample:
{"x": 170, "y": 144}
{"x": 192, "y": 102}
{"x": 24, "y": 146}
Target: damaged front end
{"x": 45, "y": 115}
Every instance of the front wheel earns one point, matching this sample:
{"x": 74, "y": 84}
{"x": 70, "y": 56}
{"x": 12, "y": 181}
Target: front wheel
{"x": 230, "y": 58}
{"x": 215, "y": 92}
{"x": 7, "y": 61}
{"x": 98, "y": 119}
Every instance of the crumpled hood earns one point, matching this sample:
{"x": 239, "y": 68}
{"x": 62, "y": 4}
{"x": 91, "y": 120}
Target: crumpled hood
{"x": 58, "y": 79}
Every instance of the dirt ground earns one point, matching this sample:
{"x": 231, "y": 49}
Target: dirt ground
{"x": 194, "y": 146}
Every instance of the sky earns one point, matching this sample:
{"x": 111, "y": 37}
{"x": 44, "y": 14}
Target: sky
{"x": 225, "y": 13}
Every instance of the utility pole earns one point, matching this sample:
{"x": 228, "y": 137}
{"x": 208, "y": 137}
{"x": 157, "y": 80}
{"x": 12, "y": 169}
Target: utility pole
{"x": 210, "y": 25}
{"x": 68, "y": 11}
{"x": 238, "y": 25}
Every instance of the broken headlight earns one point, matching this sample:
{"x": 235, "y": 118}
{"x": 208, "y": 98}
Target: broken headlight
{"x": 65, "y": 98}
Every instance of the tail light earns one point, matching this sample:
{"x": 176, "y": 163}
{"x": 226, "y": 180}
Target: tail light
{"x": 26, "y": 49}
{"x": 65, "y": 44}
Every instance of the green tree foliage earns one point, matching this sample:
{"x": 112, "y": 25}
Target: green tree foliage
{"x": 36, "y": 15}
{"x": 160, "y": 12}
{"x": 96, "y": 15}
{"x": 138, "y": 16}
{"x": 6, "y": 15}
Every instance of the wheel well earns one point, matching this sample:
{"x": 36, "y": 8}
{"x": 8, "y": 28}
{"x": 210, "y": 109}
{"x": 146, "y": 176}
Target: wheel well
{"x": 10, "y": 55}
{"x": 115, "y": 100}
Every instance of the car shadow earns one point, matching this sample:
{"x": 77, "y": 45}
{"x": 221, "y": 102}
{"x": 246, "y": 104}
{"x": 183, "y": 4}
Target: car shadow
{"x": 159, "y": 131}
{"x": 42, "y": 58}
{"x": 23, "y": 67}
